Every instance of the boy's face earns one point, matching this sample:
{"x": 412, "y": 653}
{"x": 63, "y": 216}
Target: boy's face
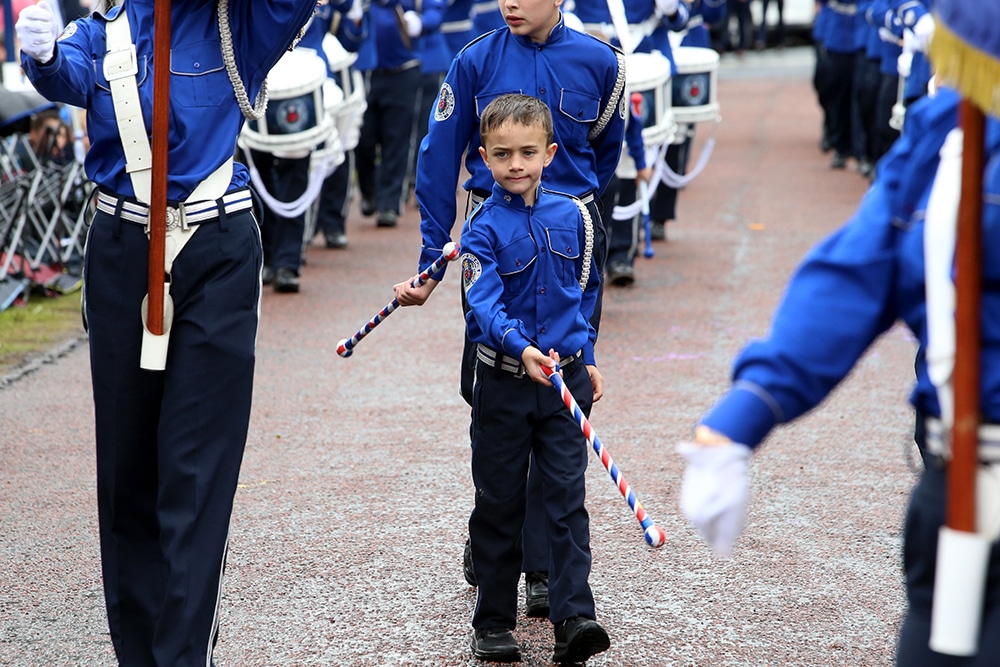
{"x": 516, "y": 154}
{"x": 531, "y": 18}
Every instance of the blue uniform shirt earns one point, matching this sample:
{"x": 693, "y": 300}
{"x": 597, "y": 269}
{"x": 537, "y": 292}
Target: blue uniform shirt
{"x": 703, "y": 14}
{"x": 854, "y": 285}
{"x": 391, "y": 50}
{"x": 576, "y": 75}
{"x": 521, "y": 272}
{"x": 205, "y": 118}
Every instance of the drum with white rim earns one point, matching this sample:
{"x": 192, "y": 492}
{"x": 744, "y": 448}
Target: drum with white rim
{"x": 647, "y": 85}
{"x": 350, "y": 114}
{"x": 296, "y": 121}
{"x": 648, "y": 74}
{"x": 695, "y": 85}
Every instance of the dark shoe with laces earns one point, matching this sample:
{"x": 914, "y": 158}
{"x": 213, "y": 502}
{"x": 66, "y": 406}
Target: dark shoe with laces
{"x": 286, "y": 281}
{"x": 470, "y": 574}
{"x": 496, "y": 644}
{"x": 267, "y": 275}
{"x": 578, "y": 639}
{"x": 839, "y": 161}
{"x": 658, "y": 231}
{"x": 536, "y": 594}
{"x": 621, "y": 274}
{"x": 335, "y": 239}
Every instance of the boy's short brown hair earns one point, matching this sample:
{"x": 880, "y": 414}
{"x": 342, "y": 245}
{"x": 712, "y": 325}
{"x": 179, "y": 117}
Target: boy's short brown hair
{"x": 518, "y": 109}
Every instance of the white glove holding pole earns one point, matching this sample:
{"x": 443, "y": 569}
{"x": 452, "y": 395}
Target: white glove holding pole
{"x": 716, "y": 491}
{"x": 37, "y": 29}
{"x": 414, "y": 24}
{"x": 356, "y": 12}
{"x": 667, "y": 7}
{"x": 919, "y": 38}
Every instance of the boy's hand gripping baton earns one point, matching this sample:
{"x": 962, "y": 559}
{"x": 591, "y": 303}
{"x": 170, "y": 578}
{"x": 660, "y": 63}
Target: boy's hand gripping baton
{"x": 345, "y": 347}
{"x": 655, "y": 536}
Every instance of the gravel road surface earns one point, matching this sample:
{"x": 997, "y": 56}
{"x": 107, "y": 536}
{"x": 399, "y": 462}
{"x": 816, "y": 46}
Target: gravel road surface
{"x": 347, "y": 534}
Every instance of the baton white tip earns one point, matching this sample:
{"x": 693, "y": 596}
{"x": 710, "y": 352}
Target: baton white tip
{"x": 342, "y": 348}
{"x": 655, "y": 537}
{"x": 450, "y": 250}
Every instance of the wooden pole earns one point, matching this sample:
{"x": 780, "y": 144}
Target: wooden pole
{"x": 159, "y": 146}
{"x": 961, "y": 503}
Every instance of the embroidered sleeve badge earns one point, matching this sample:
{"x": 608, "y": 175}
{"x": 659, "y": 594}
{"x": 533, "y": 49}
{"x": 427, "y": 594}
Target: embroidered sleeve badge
{"x": 445, "y": 103}
{"x": 471, "y": 270}
{"x": 67, "y": 32}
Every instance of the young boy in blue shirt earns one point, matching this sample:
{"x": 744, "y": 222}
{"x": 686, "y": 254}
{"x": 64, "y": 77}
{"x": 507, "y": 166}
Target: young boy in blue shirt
{"x": 531, "y": 282}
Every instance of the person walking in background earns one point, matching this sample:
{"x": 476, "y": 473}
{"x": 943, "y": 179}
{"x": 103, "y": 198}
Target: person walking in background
{"x": 164, "y": 520}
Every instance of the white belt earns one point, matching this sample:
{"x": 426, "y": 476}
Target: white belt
{"x": 456, "y": 26}
{"x": 989, "y": 441}
{"x": 507, "y": 363}
{"x": 181, "y": 215}
{"x": 844, "y": 8}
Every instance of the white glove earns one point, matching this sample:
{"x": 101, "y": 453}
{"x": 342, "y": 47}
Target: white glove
{"x": 889, "y": 36}
{"x": 904, "y": 63}
{"x": 716, "y": 491}
{"x": 667, "y": 7}
{"x": 414, "y": 24}
{"x": 356, "y": 12}
{"x": 37, "y": 30}
{"x": 920, "y": 37}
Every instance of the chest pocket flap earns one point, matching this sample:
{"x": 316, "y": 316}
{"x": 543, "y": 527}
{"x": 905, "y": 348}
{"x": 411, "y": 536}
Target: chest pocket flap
{"x": 196, "y": 59}
{"x": 564, "y": 242}
{"x": 581, "y": 107}
{"x": 483, "y": 100}
{"x": 516, "y": 256}
{"x": 198, "y": 74}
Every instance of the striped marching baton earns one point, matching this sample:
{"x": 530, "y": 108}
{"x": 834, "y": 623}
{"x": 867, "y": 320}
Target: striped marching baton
{"x": 345, "y": 347}
{"x": 655, "y": 536}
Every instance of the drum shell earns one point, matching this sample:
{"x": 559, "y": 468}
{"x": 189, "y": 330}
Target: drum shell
{"x": 695, "y": 85}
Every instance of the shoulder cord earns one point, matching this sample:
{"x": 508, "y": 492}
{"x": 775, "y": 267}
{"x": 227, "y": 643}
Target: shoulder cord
{"x": 256, "y": 112}
{"x": 588, "y": 243}
{"x": 616, "y": 101}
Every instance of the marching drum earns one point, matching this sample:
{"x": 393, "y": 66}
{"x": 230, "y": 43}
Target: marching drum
{"x": 349, "y": 114}
{"x": 694, "y": 85}
{"x": 296, "y": 121}
{"x": 647, "y": 84}
{"x": 330, "y": 154}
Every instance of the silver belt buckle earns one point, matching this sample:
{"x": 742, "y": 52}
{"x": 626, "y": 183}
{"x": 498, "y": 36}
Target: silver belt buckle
{"x": 176, "y": 218}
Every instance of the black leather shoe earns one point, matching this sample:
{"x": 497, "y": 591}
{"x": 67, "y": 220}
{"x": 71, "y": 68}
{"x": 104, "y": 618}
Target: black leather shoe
{"x": 658, "y": 231}
{"x": 621, "y": 274}
{"x": 335, "y": 239}
{"x": 536, "y": 594}
{"x": 386, "y": 219}
{"x": 286, "y": 281}
{"x": 367, "y": 206}
{"x": 470, "y": 574}
{"x": 496, "y": 644}
{"x": 579, "y": 638}
{"x": 267, "y": 275}
{"x": 839, "y": 161}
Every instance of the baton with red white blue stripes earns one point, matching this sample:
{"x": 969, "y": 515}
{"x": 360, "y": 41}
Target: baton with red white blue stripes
{"x": 345, "y": 347}
{"x": 654, "y": 535}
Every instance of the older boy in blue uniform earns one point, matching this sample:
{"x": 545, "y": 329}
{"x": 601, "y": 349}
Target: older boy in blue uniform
{"x": 853, "y": 287}
{"x": 582, "y": 80}
{"x": 170, "y": 443}
{"x": 531, "y": 284}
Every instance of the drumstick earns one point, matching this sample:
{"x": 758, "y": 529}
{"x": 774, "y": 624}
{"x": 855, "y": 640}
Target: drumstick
{"x": 654, "y": 535}
{"x": 644, "y": 198}
{"x": 345, "y": 347}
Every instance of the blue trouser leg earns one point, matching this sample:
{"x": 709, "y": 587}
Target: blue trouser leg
{"x": 169, "y": 444}
{"x": 286, "y": 179}
{"x": 623, "y": 235}
{"x": 334, "y": 198}
{"x": 924, "y": 518}
{"x": 885, "y": 135}
{"x": 503, "y": 440}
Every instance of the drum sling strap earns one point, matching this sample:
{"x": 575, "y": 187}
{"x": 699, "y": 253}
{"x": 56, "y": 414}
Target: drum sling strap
{"x": 120, "y": 69}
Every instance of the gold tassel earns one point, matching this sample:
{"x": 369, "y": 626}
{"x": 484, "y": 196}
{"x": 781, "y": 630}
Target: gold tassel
{"x": 972, "y": 72}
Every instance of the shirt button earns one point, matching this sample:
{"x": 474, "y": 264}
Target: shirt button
{"x": 541, "y": 329}
{"x": 197, "y": 65}
{"x": 579, "y": 114}
{"x": 541, "y": 290}
{"x": 541, "y": 91}
{"x": 517, "y": 262}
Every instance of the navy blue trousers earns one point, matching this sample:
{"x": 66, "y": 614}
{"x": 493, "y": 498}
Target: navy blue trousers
{"x": 285, "y": 179}
{"x": 924, "y": 518}
{"x": 170, "y": 444}
{"x": 335, "y": 199}
{"x": 383, "y": 150}
{"x": 514, "y": 419}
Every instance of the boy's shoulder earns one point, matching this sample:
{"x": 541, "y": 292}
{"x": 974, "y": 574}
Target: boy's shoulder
{"x": 558, "y": 198}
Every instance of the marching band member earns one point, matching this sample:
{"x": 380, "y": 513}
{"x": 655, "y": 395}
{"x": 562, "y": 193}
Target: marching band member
{"x": 887, "y": 263}
{"x": 170, "y": 443}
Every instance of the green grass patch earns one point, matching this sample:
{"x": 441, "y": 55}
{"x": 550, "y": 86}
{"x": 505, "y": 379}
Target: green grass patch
{"x": 41, "y": 324}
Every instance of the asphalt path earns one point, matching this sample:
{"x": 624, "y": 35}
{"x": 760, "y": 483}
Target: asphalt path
{"x": 347, "y": 533}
